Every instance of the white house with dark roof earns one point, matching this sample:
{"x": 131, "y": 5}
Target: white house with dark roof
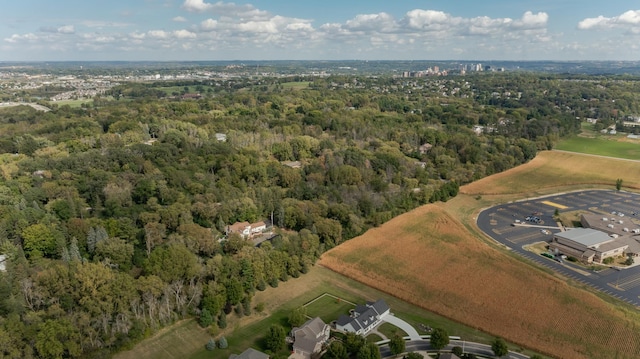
{"x": 364, "y": 318}
{"x": 309, "y": 338}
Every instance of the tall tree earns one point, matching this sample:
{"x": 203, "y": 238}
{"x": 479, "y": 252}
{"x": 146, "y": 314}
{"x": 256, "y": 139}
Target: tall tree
{"x": 499, "y": 347}
{"x": 439, "y": 338}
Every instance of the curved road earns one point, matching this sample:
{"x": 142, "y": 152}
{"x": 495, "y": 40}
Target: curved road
{"x": 469, "y": 347}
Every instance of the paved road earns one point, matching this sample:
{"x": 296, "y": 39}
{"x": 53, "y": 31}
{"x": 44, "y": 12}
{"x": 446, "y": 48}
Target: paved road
{"x": 497, "y": 222}
{"x": 469, "y": 347}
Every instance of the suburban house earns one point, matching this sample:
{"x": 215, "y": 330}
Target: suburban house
{"x": 246, "y": 229}
{"x": 309, "y": 338}
{"x": 363, "y": 318}
{"x": 586, "y": 244}
{"x": 249, "y": 354}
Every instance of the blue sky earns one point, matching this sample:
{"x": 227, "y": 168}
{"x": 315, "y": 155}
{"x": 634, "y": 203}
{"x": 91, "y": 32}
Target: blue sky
{"x": 167, "y": 30}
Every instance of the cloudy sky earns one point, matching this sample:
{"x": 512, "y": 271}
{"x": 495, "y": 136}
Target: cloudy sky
{"x": 47, "y": 30}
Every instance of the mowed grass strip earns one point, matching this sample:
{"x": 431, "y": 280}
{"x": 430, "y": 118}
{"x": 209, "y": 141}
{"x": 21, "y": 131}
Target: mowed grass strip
{"x": 601, "y": 146}
{"x": 474, "y": 284}
{"x": 178, "y": 341}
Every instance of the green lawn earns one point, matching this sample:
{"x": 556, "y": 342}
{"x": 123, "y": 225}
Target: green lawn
{"x": 73, "y": 103}
{"x": 602, "y": 147}
{"x": 296, "y": 85}
{"x": 328, "y": 308}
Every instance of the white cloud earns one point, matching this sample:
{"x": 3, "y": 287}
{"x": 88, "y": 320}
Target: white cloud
{"x": 196, "y": 5}
{"x": 184, "y": 34}
{"x": 158, "y": 34}
{"x": 179, "y": 19}
{"x": 531, "y": 21}
{"x": 629, "y": 19}
{"x": 66, "y": 29}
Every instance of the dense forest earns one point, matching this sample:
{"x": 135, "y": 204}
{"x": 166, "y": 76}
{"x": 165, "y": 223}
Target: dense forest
{"x": 114, "y": 215}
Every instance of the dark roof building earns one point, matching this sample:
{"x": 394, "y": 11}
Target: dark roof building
{"x": 364, "y": 317}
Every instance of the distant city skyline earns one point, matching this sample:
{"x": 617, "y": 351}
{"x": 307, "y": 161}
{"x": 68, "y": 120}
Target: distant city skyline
{"x": 197, "y": 30}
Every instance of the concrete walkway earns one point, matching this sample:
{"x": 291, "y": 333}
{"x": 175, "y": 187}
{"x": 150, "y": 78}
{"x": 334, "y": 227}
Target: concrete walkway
{"x": 411, "y": 331}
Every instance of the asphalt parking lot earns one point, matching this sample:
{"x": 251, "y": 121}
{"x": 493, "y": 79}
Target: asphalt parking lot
{"x": 498, "y": 223}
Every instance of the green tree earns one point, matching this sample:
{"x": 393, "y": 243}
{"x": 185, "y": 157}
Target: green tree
{"x": 397, "y": 344}
{"x": 439, "y": 338}
{"x": 41, "y": 240}
{"x": 414, "y": 355}
{"x": 619, "y": 184}
{"x": 222, "y": 343}
{"x": 499, "y": 347}
{"x": 353, "y": 342}
{"x": 336, "y": 350}
{"x": 457, "y": 350}
{"x": 369, "y": 351}
{"x": 205, "y": 318}
{"x": 275, "y": 339}
{"x": 298, "y": 316}
{"x": 211, "y": 344}
{"x": 222, "y": 320}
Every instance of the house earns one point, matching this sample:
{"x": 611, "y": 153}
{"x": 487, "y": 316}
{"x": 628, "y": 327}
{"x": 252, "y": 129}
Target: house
{"x": 250, "y": 354}
{"x": 222, "y": 137}
{"x": 309, "y": 338}
{"x": 424, "y": 148}
{"x": 588, "y": 245}
{"x": 246, "y": 229}
{"x": 3, "y": 267}
{"x": 292, "y": 164}
{"x": 364, "y": 318}
{"x": 448, "y": 356}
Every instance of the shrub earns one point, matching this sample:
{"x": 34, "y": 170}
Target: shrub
{"x": 211, "y": 344}
{"x": 222, "y": 343}
{"x": 608, "y": 260}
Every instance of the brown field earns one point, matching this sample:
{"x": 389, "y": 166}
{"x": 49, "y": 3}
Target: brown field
{"x": 429, "y": 258}
{"x": 553, "y": 169}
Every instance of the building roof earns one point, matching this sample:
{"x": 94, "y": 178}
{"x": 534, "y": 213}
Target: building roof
{"x": 585, "y": 236}
{"x": 307, "y": 337}
{"x": 250, "y": 354}
{"x": 239, "y": 226}
{"x": 448, "y": 356}
{"x": 3, "y": 258}
{"x": 379, "y": 305}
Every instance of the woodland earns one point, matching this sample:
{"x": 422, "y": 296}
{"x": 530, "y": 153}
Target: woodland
{"x": 114, "y": 214}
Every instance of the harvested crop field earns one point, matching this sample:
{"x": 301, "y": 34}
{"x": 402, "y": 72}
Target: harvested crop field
{"x": 428, "y": 258}
{"x": 555, "y": 169}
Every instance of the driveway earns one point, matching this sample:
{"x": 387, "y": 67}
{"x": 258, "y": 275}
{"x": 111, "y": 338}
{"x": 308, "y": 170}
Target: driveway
{"x": 411, "y": 331}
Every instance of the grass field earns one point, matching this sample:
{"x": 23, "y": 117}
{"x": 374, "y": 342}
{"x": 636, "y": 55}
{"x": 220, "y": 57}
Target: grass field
{"x": 296, "y": 85}
{"x": 552, "y": 171}
{"x": 328, "y": 308}
{"x": 601, "y": 146}
{"x": 435, "y": 258}
{"x": 73, "y": 103}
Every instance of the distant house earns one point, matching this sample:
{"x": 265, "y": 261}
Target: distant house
{"x": 221, "y": 137}
{"x": 309, "y": 338}
{"x": 292, "y": 164}
{"x": 250, "y": 354}
{"x": 3, "y": 267}
{"x": 364, "y": 318}
{"x": 424, "y": 148}
{"x": 191, "y": 96}
{"x": 246, "y": 229}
